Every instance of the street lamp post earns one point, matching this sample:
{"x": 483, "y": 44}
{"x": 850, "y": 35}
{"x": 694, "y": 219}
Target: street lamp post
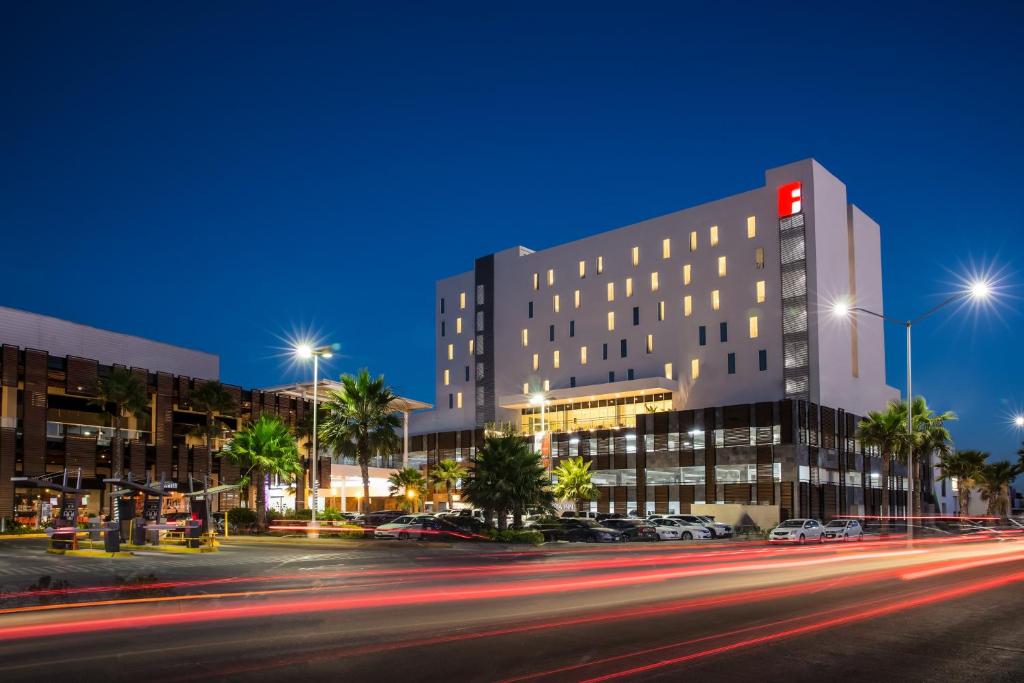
{"x": 306, "y": 351}
{"x": 978, "y": 290}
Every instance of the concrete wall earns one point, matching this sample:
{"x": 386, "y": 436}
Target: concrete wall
{"x": 441, "y": 418}
{"x": 764, "y": 516}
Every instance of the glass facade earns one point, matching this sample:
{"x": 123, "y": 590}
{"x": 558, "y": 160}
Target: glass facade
{"x": 598, "y": 414}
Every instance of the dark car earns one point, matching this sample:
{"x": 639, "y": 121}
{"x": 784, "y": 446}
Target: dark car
{"x": 634, "y": 529}
{"x": 437, "y": 529}
{"x": 467, "y": 524}
{"x": 375, "y": 519}
{"x": 602, "y": 516}
{"x": 586, "y": 530}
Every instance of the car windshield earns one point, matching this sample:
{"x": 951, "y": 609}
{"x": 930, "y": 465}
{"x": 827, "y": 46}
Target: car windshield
{"x": 837, "y": 523}
{"x": 402, "y": 520}
{"x": 792, "y": 524}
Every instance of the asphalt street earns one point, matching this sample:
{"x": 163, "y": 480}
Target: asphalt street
{"x": 731, "y": 611}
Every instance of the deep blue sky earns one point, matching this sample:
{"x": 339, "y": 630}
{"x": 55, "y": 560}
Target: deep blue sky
{"x": 217, "y": 175}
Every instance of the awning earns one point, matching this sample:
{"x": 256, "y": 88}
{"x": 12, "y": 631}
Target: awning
{"x": 35, "y": 482}
{"x": 591, "y": 392}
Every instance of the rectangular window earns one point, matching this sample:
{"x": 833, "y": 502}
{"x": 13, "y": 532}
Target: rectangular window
{"x": 458, "y": 399}
{"x": 529, "y": 309}
{"x": 686, "y": 274}
{"x": 760, "y": 291}
{"x": 611, "y": 376}
{"x": 551, "y": 332}
{"x": 753, "y": 327}
{"x": 462, "y": 300}
{"x": 762, "y": 360}
{"x": 693, "y": 240}
{"x": 694, "y": 368}
{"x": 479, "y": 295}
{"x": 572, "y": 328}
{"x": 623, "y": 348}
{"x": 604, "y": 351}
{"x": 702, "y": 335}
{"x": 611, "y": 291}
{"x": 551, "y": 277}
{"x": 451, "y": 351}
{"x": 611, "y": 321}
{"x": 451, "y": 401}
{"x": 526, "y": 388}
{"x": 759, "y": 258}
{"x": 629, "y": 374}
{"x": 661, "y": 311}
{"x": 536, "y": 361}
{"x": 668, "y": 371}
{"x": 666, "y": 248}
{"x": 687, "y": 305}
{"x": 654, "y": 282}
{"x": 751, "y": 227}
{"x": 721, "y": 266}
{"x": 723, "y": 332}
{"x": 713, "y": 235}
{"x": 600, "y": 264}
{"x": 525, "y": 336}
{"x": 467, "y": 374}
{"x": 716, "y": 300}
{"x": 636, "y": 256}
{"x": 636, "y": 315}
{"x": 443, "y": 328}
{"x": 556, "y": 303}
{"x": 555, "y": 359}
{"x": 479, "y": 344}
{"x": 547, "y": 385}
{"x": 536, "y": 280}
{"x": 458, "y": 325}
{"x": 442, "y": 305}
{"x": 583, "y": 356}
{"x": 650, "y": 343}
{"x": 576, "y": 299}
{"x": 583, "y": 269}
{"x": 479, "y": 321}
{"x": 731, "y": 362}
{"x": 572, "y": 381}
{"x": 447, "y": 378}
{"x": 471, "y": 346}
{"x": 629, "y": 287}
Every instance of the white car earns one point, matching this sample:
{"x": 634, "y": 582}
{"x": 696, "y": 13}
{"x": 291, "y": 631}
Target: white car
{"x": 396, "y": 527}
{"x": 687, "y": 530}
{"x": 844, "y": 530}
{"x": 797, "y": 531}
{"x": 717, "y": 529}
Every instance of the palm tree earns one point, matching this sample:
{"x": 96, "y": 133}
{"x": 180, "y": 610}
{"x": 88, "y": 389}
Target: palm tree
{"x": 120, "y": 394}
{"x": 963, "y": 466}
{"x": 506, "y": 477}
{"x": 262, "y": 449}
{"x": 887, "y": 431}
{"x": 304, "y": 433}
{"x": 408, "y": 483}
{"x": 930, "y": 436}
{"x": 994, "y": 481}
{"x": 358, "y": 421}
{"x": 445, "y": 476}
{"x": 573, "y": 482}
{"x": 211, "y": 398}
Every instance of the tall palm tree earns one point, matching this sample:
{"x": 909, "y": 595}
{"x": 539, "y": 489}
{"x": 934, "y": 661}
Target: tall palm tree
{"x": 212, "y": 399}
{"x": 930, "y": 436}
{"x": 304, "y": 433}
{"x": 358, "y": 421}
{"x": 963, "y": 466}
{"x": 506, "y": 477}
{"x": 262, "y": 449}
{"x": 120, "y": 394}
{"x": 573, "y": 482}
{"x": 887, "y": 431}
{"x": 445, "y": 476}
{"x": 994, "y": 481}
{"x": 408, "y": 483}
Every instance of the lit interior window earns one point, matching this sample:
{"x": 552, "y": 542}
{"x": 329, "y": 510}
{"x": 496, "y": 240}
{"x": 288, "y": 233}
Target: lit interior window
{"x": 547, "y": 385}
{"x": 611, "y": 291}
{"x": 526, "y": 388}
{"x": 686, "y": 274}
{"x": 583, "y": 355}
{"x": 661, "y": 310}
{"x": 471, "y": 346}
{"x": 536, "y": 361}
{"x": 576, "y": 298}
{"x": 751, "y": 227}
{"x": 447, "y": 378}
{"x": 666, "y": 248}
{"x": 583, "y": 268}
{"x": 650, "y": 343}
{"x": 636, "y": 256}
{"x": 536, "y": 280}
{"x": 713, "y": 235}
{"x": 556, "y": 303}
{"x": 458, "y": 399}
{"x": 753, "y": 327}
{"x": 759, "y": 257}
{"x": 693, "y": 240}
{"x": 451, "y": 351}
{"x": 716, "y": 300}
{"x": 687, "y": 305}
{"x": 695, "y": 368}
{"x": 721, "y": 266}
{"x": 526, "y": 336}
{"x": 458, "y": 325}
{"x": 654, "y": 282}
{"x": 462, "y": 299}
{"x": 551, "y": 277}
{"x": 668, "y": 371}
{"x": 629, "y": 287}
{"x": 611, "y": 320}
{"x": 555, "y": 360}
{"x": 760, "y": 291}
{"x": 600, "y": 264}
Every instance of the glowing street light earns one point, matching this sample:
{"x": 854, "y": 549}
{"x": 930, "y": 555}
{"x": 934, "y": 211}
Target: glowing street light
{"x": 1018, "y": 421}
{"x": 541, "y": 400}
{"x": 976, "y": 290}
{"x": 305, "y": 351}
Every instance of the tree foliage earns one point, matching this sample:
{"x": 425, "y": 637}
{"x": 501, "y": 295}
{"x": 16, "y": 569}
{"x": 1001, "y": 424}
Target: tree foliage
{"x": 404, "y": 482}
{"x": 263, "y": 448}
{"x": 445, "y": 476}
{"x": 506, "y": 477}
{"x": 573, "y": 481}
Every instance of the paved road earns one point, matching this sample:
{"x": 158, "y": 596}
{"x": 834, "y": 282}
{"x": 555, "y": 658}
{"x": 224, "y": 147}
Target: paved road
{"x": 406, "y": 611}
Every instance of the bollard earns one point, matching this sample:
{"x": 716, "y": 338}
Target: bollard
{"x": 112, "y": 538}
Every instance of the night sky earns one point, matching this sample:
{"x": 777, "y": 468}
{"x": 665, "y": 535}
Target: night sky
{"x": 225, "y": 175}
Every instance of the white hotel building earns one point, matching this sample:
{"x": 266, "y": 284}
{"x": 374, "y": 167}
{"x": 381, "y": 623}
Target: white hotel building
{"x": 693, "y": 356}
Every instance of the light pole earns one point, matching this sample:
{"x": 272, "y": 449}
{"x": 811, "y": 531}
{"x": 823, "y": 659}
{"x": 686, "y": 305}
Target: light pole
{"x": 978, "y": 290}
{"x": 305, "y": 352}
{"x": 542, "y": 401}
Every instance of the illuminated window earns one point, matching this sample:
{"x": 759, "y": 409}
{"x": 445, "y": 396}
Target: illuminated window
{"x": 721, "y": 266}
{"x": 447, "y": 378}
{"x": 713, "y": 235}
{"x": 650, "y": 343}
{"x": 536, "y": 280}
{"x": 629, "y": 287}
{"x": 551, "y": 277}
{"x": 600, "y": 264}
{"x": 654, "y": 282}
{"x": 751, "y": 227}
{"x": 458, "y": 325}
{"x": 636, "y": 256}
{"x": 686, "y": 274}
{"x": 451, "y": 351}
{"x": 693, "y": 240}
{"x": 458, "y": 399}
{"x": 611, "y": 320}
{"x": 471, "y": 346}
{"x": 611, "y": 291}
{"x": 666, "y": 248}
{"x": 547, "y": 385}
{"x": 760, "y": 291}
{"x": 661, "y": 310}
{"x": 753, "y": 327}
{"x": 687, "y": 305}
{"x": 526, "y": 388}
{"x": 668, "y": 371}
{"x": 694, "y": 368}
{"x": 759, "y": 258}
{"x": 526, "y": 336}
{"x": 555, "y": 360}
{"x": 536, "y": 361}
{"x": 462, "y": 299}
{"x": 583, "y": 355}
{"x": 583, "y": 268}
{"x": 556, "y": 303}
{"x": 576, "y": 298}
{"x": 716, "y": 300}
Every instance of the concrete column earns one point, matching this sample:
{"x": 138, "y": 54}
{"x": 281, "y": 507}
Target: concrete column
{"x": 405, "y": 438}
{"x": 344, "y": 494}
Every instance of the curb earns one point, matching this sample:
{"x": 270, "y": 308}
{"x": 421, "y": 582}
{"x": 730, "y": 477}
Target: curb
{"x": 89, "y": 553}
{"x": 11, "y": 537}
{"x": 168, "y": 549}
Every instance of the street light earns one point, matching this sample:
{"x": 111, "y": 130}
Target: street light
{"x": 977, "y": 290}
{"x": 1018, "y": 421}
{"x": 305, "y": 352}
{"x": 540, "y": 400}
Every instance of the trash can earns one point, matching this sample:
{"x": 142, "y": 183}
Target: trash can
{"x": 139, "y": 531}
{"x": 112, "y": 538}
{"x": 193, "y": 529}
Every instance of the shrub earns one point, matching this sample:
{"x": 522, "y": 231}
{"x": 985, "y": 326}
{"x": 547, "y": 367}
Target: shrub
{"x": 516, "y": 536}
{"x": 242, "y": 516}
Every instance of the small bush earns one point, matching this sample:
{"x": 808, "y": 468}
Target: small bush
{"x": 242, "y": 516}
{"x": 516, "y": 536}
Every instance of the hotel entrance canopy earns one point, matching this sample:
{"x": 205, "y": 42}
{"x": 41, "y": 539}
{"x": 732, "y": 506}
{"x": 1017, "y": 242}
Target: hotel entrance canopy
{"x": 305, "y": 390}
{"x": 591, "y": 392}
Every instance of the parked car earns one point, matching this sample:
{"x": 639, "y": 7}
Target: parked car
{"x": 717, "y": 529}
{"x": 397, "y": 527}
{"x": 425, "y": 527}
{"x": 468, "y": 524}
{"x": 580, "y": 514}
{"x": 687, "y": 530}
{"x": 375, "y": 519}
{"x": 635, "y": 529}
{"x": 601, "y": 516}
{"x": 844, "y": 530}
{"x": 574, "y": 529}
{"x": 797, "y": 531}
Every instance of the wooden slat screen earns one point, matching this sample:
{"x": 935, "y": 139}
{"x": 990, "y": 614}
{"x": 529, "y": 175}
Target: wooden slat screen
{"x": 80, "y": 378}
{"x": 80, "y": 452}
{"x": 164, "y": 406}
{"x": 9, "y": 374}
{"x": 737, "y": 493}
{"x": 621, "y": 494}
{"x": 661, "y": 500}
{"x": 33, "y": 433}
{"x": 137, "y": 453}
{"x": 200, "y": 466}
{"x": 687, "y": 494}
{"x": 603, "y": 498}
{"x": 765, "y": 476}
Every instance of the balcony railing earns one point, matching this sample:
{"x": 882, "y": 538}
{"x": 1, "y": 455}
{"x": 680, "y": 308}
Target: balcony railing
{"x": 58, "y": 430}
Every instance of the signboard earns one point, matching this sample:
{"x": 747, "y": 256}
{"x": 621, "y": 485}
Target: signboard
{"x": 790, "y": 199}
{"x": 69, "y": 512}
{"x": 151, "y": 510}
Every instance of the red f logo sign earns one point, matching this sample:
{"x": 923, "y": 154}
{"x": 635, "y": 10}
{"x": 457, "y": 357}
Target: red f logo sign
{"x": 789, "y": 199}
